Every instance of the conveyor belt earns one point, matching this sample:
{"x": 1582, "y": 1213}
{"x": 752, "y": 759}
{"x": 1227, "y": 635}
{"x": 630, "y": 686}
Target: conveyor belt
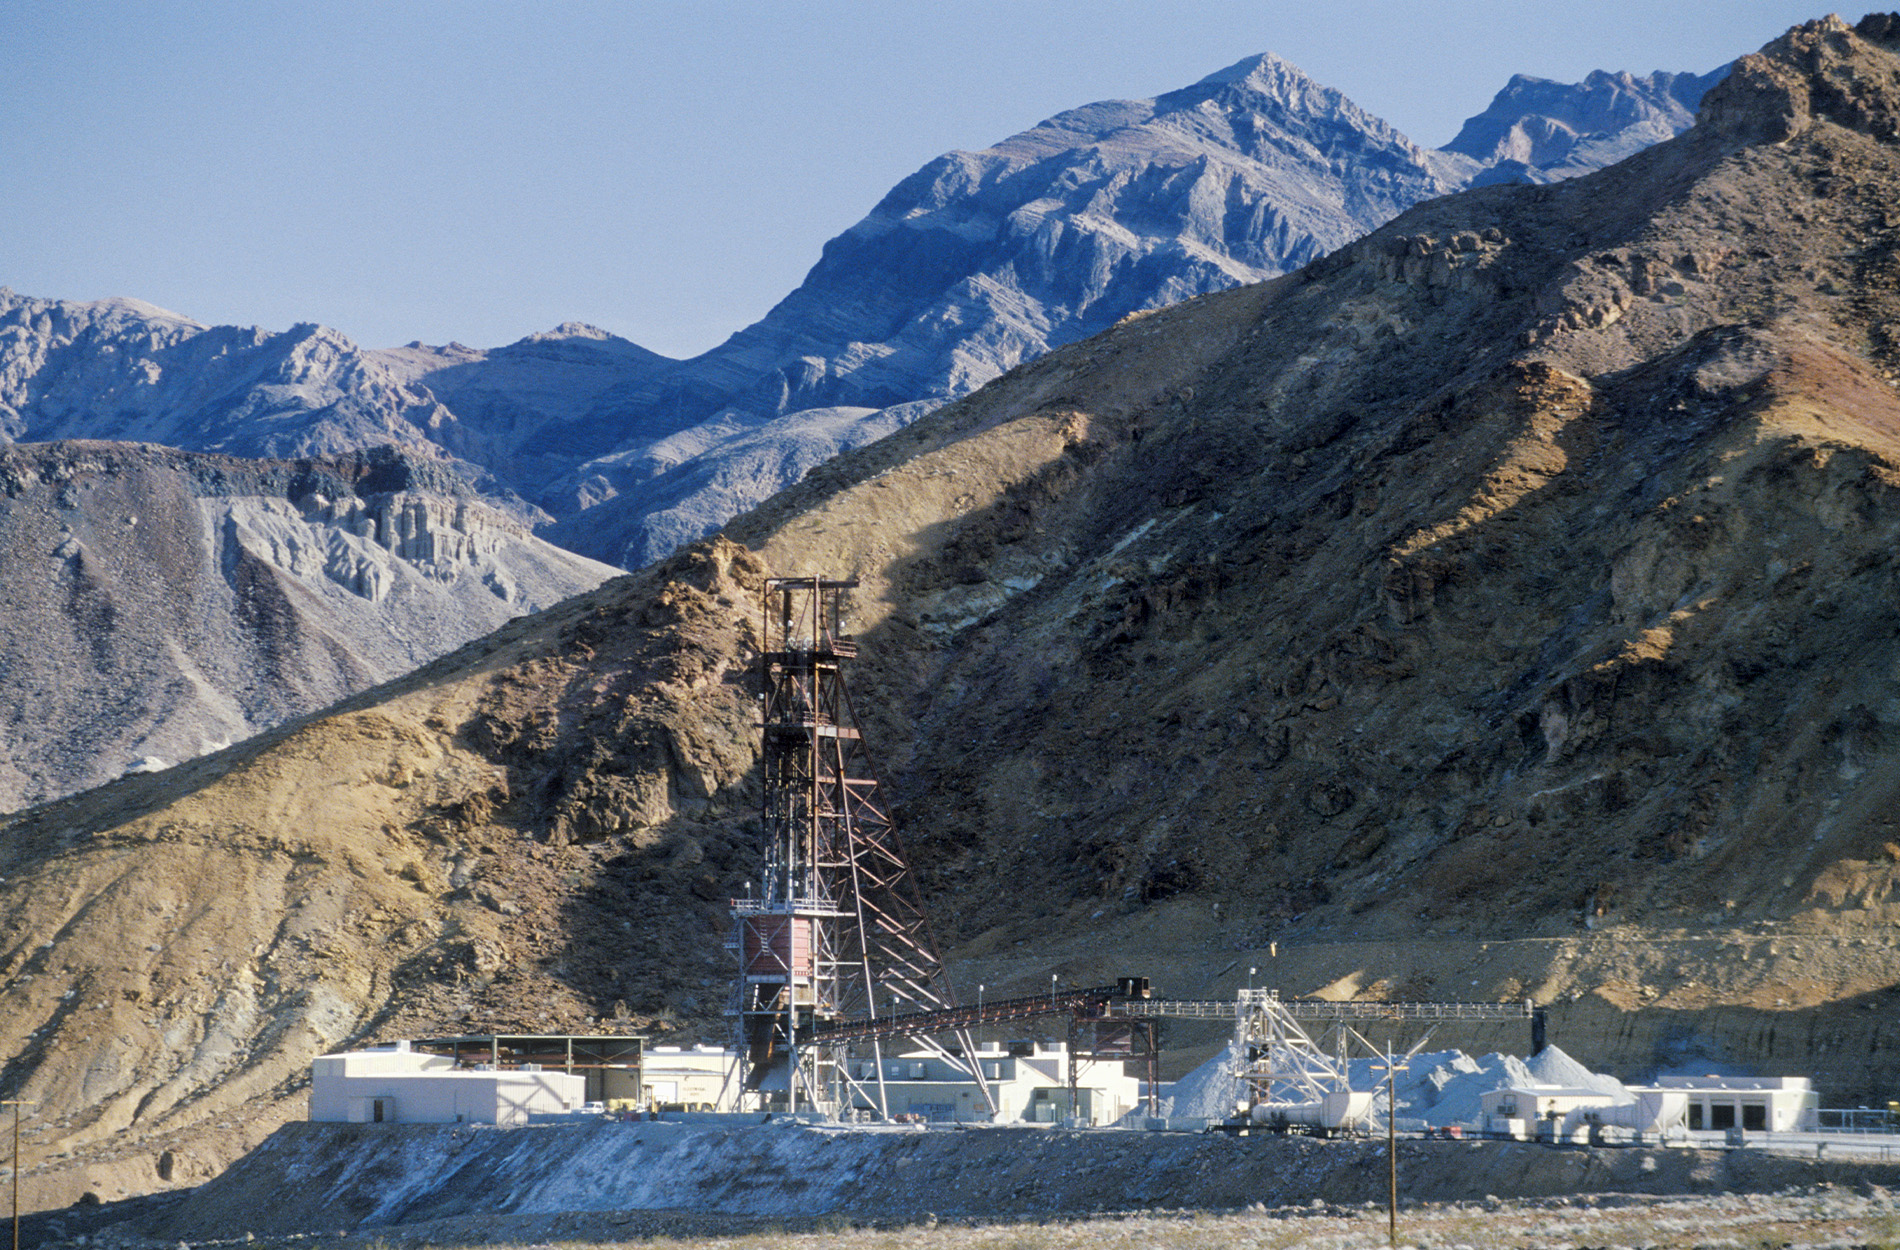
{"x": 1109, "y": 1002}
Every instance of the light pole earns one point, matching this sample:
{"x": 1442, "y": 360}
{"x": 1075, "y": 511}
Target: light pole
{"x": 979, "y": 998}
{"x": 1052, "y": 989}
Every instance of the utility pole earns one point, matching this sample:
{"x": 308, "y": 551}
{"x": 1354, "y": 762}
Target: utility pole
{"x": 1391, "y": 1155}
{"x": 1392, "y": 1147}
{"x": 16, "y": 1104}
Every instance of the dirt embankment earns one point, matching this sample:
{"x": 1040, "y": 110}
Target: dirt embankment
{"x": 339, "y": 1177}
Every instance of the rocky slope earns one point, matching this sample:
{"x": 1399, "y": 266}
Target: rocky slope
{"x": 977, "y": 261}
{"x": 163, "y": 603}
{"x": 1499, "y": 607}
{"x": 422, "y": 1181}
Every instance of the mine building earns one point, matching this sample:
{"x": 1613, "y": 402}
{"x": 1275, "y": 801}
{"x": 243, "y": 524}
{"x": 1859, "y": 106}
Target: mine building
{"x": 1553, "y": 1112}
{"x": 609, "y": 1064}
{"x": 1029, "y": 1082}
{"x": 1765, "y": 1104}
{"x": 398, "y": 1085}
{"x": 1754, "y": 1104}
{"x": 486, "y": 1079}
{"x": 689, "y": 1078}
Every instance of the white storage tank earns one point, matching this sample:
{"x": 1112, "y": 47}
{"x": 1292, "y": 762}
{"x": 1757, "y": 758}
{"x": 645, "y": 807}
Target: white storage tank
{"x": 1342, "y": 1109}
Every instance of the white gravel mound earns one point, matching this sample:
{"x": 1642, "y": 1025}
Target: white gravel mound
{"x": 1437, "y": 1088}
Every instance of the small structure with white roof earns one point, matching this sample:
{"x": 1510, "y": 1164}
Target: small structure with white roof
{"x": 1556, "y": 1112}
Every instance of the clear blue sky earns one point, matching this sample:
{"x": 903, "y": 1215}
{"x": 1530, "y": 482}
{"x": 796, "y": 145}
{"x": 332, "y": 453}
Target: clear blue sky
{"x": 481, "y": 169}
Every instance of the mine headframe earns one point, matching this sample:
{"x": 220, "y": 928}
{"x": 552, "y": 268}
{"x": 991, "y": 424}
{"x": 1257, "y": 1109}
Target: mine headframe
{"x": 837, "y": 929}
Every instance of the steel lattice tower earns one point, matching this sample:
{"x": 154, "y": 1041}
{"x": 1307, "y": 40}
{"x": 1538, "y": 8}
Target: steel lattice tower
{"x": 837, "y": 930}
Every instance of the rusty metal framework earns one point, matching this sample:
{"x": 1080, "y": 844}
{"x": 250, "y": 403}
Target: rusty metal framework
{"x": 837, "y": 931}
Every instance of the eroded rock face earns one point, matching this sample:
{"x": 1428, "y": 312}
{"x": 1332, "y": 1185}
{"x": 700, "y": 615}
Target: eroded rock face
{"x": 162, "y": 604}
{"x": 1824, "y": 70}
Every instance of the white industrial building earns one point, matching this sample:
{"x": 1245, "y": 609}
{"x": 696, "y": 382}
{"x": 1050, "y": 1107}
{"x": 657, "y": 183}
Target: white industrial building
{"x": 692, "y": 1078}
{"x": 1030, "y": 1083}
{"x": 396, "y": 1085}
{"x": 1755, "y": 1104}
{"x": 1551, "y": 1112}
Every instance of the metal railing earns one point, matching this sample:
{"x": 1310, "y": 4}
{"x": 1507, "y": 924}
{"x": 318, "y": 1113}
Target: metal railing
{"x": 1319, "y": 1009}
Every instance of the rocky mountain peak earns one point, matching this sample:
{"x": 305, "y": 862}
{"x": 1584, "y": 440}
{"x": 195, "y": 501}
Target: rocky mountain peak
{"x": 121, "y": 307}
{"x": 1538, "y": 130}
{"x": 977, "y": 262}
{"x": 1271, "y": 84}
{"x": 1821, "y": 70}
{"x": 570, "y": 330}
{"x": 1265, "y": 73}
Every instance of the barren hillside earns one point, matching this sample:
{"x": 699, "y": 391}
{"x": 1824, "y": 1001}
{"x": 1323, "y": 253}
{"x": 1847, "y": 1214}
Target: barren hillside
{"x": 1502, "y": 606}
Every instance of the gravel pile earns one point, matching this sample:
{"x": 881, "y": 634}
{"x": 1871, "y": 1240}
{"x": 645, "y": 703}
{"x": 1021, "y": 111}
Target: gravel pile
{"x": 1437, "y": 1088}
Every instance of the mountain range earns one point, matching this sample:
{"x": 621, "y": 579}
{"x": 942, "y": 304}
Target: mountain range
{"x": 972, "y": 265}
{"x": 977, "y": 262}
{"x": 1498, "y": 607}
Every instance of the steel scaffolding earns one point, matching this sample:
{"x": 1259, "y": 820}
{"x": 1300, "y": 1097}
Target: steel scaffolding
{"x": 837, "y": 931}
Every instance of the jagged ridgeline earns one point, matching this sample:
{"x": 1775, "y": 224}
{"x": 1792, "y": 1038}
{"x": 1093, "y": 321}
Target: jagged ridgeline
{"x": 1500, "y": 606}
